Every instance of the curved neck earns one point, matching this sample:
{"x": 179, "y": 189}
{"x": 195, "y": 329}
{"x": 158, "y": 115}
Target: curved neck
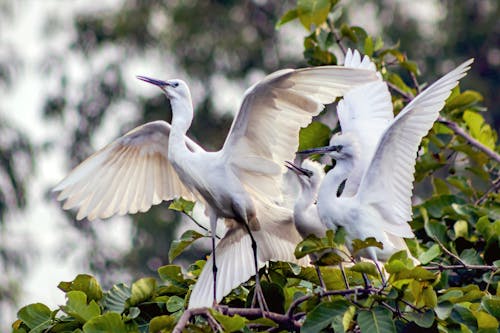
{"x": 306, "y": 197}
{"x": 182, "y": 117}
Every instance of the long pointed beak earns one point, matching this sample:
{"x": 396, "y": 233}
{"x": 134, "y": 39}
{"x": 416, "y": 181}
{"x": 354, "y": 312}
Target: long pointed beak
{"x": 158, "y": 83}
{"x": 320, "y": 150}
{"x": 298, "y": 170}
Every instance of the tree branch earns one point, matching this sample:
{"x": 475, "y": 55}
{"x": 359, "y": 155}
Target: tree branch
{"x": 494, "y": 188}
{"x": 440, "y": 267}
{"x": 475, "y": 143}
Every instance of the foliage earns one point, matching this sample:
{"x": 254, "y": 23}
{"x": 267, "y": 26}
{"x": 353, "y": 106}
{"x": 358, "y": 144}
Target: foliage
{"x": 457, "y": 224}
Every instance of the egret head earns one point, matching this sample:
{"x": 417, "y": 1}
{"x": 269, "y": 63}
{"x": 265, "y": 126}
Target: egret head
{"x": 341, "y": 147}
{"x": 173, "y": 89}
{"x": 310, "y": 173}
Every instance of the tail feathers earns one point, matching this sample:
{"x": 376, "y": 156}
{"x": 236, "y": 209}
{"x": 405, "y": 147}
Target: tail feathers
{"x": 235, "y": 265}
{"x": 234, "y": 259}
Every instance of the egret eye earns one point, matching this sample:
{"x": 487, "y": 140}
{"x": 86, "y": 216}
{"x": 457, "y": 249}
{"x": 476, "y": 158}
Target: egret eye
{"x": 175, "y": 84}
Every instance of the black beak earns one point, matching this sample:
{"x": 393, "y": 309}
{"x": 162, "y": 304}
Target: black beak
{"x": 158, "y": 83}
{"x": 320, "y": 150}
{"x": 298, "y": 170}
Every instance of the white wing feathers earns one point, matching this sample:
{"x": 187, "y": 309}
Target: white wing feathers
{"x": 129, "y": 175}
{"x": 388, "y": 181}
{"x": 366, "y": 112}
{"x": 267, "y": 125}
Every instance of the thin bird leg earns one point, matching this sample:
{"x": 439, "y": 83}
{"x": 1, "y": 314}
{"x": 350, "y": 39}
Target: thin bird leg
{"x": 382, "y": 277}
{"x": 258, "y": 295}
{"x": 314, "y": 259}
{"x": 344, "y": 276}
{"x": 368, "y": 284}
{"x": 213, "y": 228}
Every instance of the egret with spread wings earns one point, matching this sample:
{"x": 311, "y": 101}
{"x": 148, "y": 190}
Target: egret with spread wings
{"x": 240, "y": 183}
{"x": 380, "y": 205}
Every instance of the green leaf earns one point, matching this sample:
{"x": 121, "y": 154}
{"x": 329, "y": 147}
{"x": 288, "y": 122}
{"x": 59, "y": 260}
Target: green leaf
{"x": 436, "y": 230}
{"x": 329, "y": 259}
{"x": 290, "y": 15}
{"x": 440, "y": 186}
{"x": 36, "y": 316}
{"x": 182, "y": 205}
{"x": 348, "y": 32}
{"x": 461, "y": 229}
{"x": 369, "y": 46}
{"x": 86, "y": 283}
{"x": 411, "y": 66}
{"x": 115, "y": 300}
{"x": 471, "y": 257}
{"x": 443, "y": 310}
{"x": 76, "y": 306}
{"x": 433, "y": 252}
{"x": 142, "y": 290}
{"x": 313, "y": 12}
{"x": 422, "y": 319}
{"x": 479, "y": 129}
{"x": 358, "y": 244}
{"x": 378, "y": 320}
{"x": 175, "y": 303}
{"x": 464, "y": 316}
{"x": 172, "y": 274}
{"x": 463, "y": 100}
{"x": 485, "y": 321}
{"x": 316, "y": 134}
{"x": 159, "y": 323}
{"x": 110, "y": 322}
{"x": 178, "y": 245}
{"x": 365, "y": 267}
{"x": 323, "y": 315}
{"x": 310, "y": 244}
{"x": 230, "y": 324}
{"x": 492, "y": 305}
{"x": 379, "y": 43}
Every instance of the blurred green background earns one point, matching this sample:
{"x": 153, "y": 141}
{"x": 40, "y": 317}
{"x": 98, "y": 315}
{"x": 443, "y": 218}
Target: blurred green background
{"x": 67, "y": 87}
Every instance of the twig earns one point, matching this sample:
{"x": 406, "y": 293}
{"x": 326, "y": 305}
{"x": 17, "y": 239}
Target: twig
{"x": 494, "y": 188}
{"x": 408, "y": 97}
{"x": 199, "y": 225}
{"x": 440, "y": 267}
{"x": 451, "y": 254}
{"x": 283, "y": 320}
{"x": 345, "y": 292}
{"x": 183, "y": 321}
{"x": 475, "y": 143}
{"x": 338, "y": 39}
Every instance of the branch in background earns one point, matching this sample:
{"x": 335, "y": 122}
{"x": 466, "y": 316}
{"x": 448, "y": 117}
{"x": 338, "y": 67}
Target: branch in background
{"x": 455, "y": 128}
{"x": 494, "y": 188}
{"x": 475, "y": 143}
{"x": 440, "y": 267}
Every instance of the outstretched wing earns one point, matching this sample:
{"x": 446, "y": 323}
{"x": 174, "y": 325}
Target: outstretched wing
{"x": 388, "y": 181}
{"x": 129, "y": 175}
{"x": 365, "y": 112}
{"x": 264, "y": 134}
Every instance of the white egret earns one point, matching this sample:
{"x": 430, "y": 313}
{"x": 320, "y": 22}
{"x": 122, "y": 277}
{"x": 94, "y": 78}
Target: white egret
{"x": 241, "y": 182}
{"x": 364, "y": 114}
{"x": 381, "y": 204}
{"x": 305, "y": 213}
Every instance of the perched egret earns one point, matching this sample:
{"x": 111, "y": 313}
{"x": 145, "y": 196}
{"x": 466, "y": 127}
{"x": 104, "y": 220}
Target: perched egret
{"x": 305, "y": 213}
{"x": 240, "y": 183}
{"x": 364, "y": 114}
{"x": 381, "y": 204}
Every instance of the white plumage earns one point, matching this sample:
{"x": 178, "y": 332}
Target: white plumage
{"x": 380, "y": 206}
{"x": 240, "y": 183}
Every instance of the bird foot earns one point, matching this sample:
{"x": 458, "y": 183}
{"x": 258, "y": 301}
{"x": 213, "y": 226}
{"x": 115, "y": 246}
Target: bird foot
{"x": 258, "y": 298}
